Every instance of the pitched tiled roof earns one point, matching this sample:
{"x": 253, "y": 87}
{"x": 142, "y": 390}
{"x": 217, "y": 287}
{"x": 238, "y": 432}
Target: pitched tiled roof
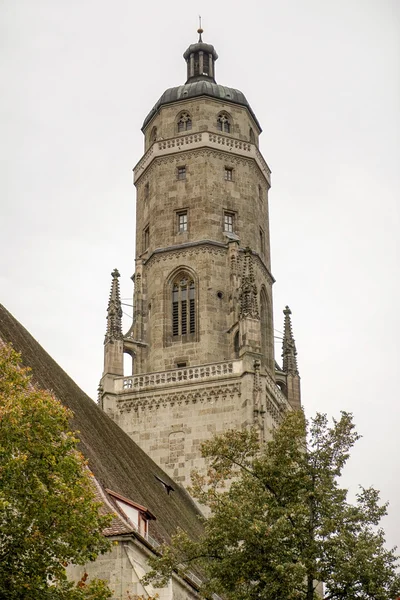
{"x": 115, "y": 460}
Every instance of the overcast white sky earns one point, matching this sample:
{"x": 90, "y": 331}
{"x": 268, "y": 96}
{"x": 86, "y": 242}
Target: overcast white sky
{"x": 322, "y": 76}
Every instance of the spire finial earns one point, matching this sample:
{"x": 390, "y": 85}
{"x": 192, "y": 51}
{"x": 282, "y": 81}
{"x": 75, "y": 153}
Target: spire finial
{"x": 200, "y": 30}
{"x": 114, "y": 310}
{"x": 289, "y": 352}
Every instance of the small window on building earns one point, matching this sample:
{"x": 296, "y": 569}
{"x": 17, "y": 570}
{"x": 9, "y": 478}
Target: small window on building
{"x": 229, "y": 222}
{"x": 228, "y": 174}
{"x": 146, "y": 238}
{"x": 181, "y": 172}
{"x": 182, "y": 221}
{"x": 146, "y": 190}
{"x": 262, "y": 242}
{"x": 185, "y": 122}
{"x": 260, "y": 192}
{"x": 223, "y": 123}
{"x": 181, "y": 365}
{"x": 252, "y": 136}
{"x": 137, "y": 515}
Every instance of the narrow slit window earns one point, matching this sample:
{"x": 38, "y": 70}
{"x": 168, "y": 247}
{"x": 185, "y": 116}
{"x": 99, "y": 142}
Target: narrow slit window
{"x": 262, "y": 242}
{"x": 146, "y": 238}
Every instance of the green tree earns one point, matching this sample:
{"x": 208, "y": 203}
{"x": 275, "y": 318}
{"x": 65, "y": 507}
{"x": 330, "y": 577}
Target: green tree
{"x": 48, "y": 513}
{"x": 279, "y": 521}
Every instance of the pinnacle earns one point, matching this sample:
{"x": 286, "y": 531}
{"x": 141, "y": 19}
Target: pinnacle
{"x": 289, "y": 352}
{"x": 114, "y": 309}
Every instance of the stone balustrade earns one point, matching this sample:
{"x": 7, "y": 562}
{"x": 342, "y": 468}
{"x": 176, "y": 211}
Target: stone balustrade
{"x": 199, "y": 140}
{"x": 200, "y": 374}
{"x": 185, "y": 375}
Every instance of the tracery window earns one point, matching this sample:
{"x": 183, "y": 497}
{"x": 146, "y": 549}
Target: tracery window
{"x": 183, "y": 306}
{"x": 185, "y": 122}
{"x": 223, "y": 123}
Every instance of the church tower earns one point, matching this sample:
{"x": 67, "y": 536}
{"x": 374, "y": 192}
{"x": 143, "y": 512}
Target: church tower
{"x": 202, "y": 341}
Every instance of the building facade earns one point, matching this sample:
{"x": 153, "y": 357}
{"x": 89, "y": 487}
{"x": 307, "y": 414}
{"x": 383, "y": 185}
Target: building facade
{"x": 202, "y": 338}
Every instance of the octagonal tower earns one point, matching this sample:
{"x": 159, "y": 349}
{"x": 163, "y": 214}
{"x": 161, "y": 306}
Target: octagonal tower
{"x": 202, "y": 336}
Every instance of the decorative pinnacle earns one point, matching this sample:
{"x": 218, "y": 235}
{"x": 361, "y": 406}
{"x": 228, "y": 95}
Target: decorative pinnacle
{"x": 248, "y": 288}
{"x": 289, "y": 352}
{"x": 114, "y": 310}
{"x": 200, "y": 30}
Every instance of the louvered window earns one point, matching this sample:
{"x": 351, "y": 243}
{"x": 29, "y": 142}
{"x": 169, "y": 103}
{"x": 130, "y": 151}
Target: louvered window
{"x": 183, "y": 307}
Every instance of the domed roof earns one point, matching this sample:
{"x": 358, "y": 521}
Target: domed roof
{"x": 201, "y": 87}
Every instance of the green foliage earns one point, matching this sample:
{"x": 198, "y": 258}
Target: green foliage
{"x": 279, "y": 522}
{"x": 48, "y": 513}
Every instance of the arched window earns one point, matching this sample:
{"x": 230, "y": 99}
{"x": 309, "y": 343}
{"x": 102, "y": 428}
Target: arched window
{"x": 183, "y": 306}
{"x": 252, "y": 136}
{"x": 224, "y": 123}
{"x": 184, "y": 122}
{"x": 153, "y": 135}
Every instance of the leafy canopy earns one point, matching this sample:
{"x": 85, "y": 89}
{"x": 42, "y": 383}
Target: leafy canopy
{"x": 48, "y": 513}
{"x": 279, "y": 522}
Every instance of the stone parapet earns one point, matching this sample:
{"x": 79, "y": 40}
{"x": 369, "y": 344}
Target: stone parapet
{"x": 201, "y": 140}
{"x": 174, "y": 377}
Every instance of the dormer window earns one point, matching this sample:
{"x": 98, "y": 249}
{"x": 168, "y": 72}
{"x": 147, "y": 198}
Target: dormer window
{"x": 185, "y": 122}
{"x": 223, "y": 123}
{"x": 136, "y": 514}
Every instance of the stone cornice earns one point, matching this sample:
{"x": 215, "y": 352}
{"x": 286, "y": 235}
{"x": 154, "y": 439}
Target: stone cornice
{"x": 196, "y": 141}
{"x": 200, "y": 246}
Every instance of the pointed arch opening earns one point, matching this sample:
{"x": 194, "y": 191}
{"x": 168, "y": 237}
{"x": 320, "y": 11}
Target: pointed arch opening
{"x": 184, "y": 122}
{"x": 182, "y": 306}
{"x": 224, "y": 122}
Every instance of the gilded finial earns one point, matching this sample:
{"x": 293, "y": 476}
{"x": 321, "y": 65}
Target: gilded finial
{"x": 200, "y": 30}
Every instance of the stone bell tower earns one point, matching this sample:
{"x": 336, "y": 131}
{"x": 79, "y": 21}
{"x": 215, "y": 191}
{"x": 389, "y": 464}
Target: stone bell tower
{"x": 202, "y": 341}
